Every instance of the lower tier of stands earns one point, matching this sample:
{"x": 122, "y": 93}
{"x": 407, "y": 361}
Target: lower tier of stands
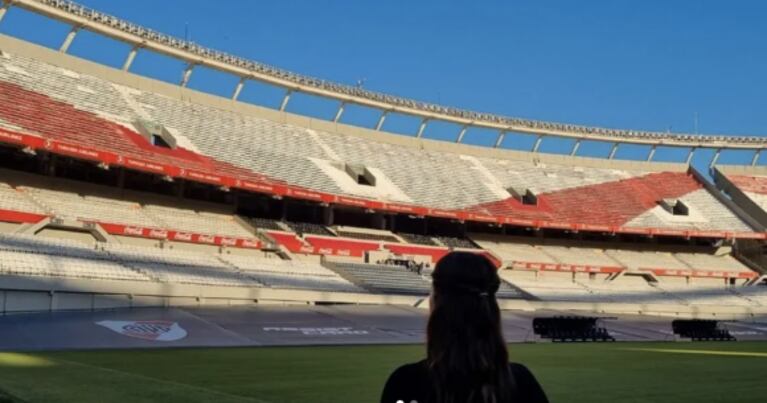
{"x": 385, "y": 279}
{"x": 39, "y": 256}
{"x": 278, "y": 273}
{"x": 634, "y": 289}
{"x": 27, "y": 255}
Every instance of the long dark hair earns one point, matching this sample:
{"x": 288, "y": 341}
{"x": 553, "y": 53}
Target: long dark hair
{"x": 466, "y": 354}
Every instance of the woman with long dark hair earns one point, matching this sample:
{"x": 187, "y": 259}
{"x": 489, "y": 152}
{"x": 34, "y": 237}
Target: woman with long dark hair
{"x": 467, "y": 360}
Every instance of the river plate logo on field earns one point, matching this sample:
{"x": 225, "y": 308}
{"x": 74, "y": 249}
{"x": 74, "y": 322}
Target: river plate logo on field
{"x": 154, "y": 330}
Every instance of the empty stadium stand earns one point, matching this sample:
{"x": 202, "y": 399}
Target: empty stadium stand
{"x": 384, "y": 278}
{"x": 302, "y": 228}
{"x": 275, "y": 272}
{"x": 747, "y": 187}
{"x": 608, "y": 274}
{"x": 35, "y": 256}
{"x": 560, "y": 262}
{"x": 172, "y": 267}
{"x": 638, "y": 291}
{"x": 455, "y": 242}
{"x": 267, "y": 224}
{"x": 656, "y": 236}
{"x": 15, "y": 200}
{"x": 757, "y": 294}
{"x": 70, "y": 204}
{"x": 511, "y": 252}
{"x": 418, "y": 239}
{"x": 197, "y": 222}
{"x": 214, "y": 143}
{"x": 521, "y": 253}
{"x": 355, "y": 233}
{"x": 553, "y": 289}
{"x": 38, "y": 256}
{"x": 98, "y": 204}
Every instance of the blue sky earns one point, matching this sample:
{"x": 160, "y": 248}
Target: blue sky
{"x": 649, "y": 64}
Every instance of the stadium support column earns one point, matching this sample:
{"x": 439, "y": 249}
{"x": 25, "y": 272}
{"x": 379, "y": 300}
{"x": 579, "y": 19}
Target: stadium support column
{"x": 180, "y": 189}
{"x": 378, "y": 221}
{"x": 131, "y": 57}
{"x": 236, "y": 200}
{"x": 328, "y": 215}
{"x": 4, "y": 9}
{"x": 613, "y": 151}
{"x": 461, "y": 134}
{"x": 755, "y": 159}
{"x": 421, "y": 128}
{"x": 238, "y": 89}
{"x": 689, "y": 155}
{"x": 381, "y": 120}
{"x": 576, "y": 146}
{"x": 499, "y": 140}
{"x": 187, "y": 74}
{"x": 121, "y": 179}
{"x": 69, "y": 39}
{"x": 716, "y": 158}
{"x": 285, "y": 100}
{"x": 339, "y": 112}
{"x": 537, "y": 144}
{"x": 652, "y": 153}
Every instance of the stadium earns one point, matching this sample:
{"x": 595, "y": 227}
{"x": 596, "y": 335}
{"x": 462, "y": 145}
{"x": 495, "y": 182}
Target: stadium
{"x": 160, "y": 243}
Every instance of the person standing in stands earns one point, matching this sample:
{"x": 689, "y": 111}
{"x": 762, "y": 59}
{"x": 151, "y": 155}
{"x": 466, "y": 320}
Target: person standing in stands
{"x": 467, "y": 360}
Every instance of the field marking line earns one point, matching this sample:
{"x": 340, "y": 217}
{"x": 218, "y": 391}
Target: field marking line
{"x": 701, "y": 352}
{"x": 182, "y": 385}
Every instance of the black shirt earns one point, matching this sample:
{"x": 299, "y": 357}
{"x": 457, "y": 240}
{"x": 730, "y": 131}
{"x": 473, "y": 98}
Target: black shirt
{"x": 410, "y": 383}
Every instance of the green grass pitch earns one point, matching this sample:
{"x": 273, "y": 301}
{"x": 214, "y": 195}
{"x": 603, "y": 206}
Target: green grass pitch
{"x": 614, "y": 372}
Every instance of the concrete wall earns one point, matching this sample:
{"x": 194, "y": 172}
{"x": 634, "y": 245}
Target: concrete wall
{"x": 25, "y": 294}
{"x": 70, "y": 235}
{"x": 43, "y": 294}
{"x": 7, "y": 228}
{"x": 736, "y": 194}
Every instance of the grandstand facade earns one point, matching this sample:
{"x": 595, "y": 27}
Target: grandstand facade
{"x": 118, "y": 190}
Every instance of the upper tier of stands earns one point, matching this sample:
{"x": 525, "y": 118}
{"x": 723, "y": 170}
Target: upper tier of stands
{"x": 747, "y": 187}
{"x": 64, "y": 105}
{"x": 753, "y": 185}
